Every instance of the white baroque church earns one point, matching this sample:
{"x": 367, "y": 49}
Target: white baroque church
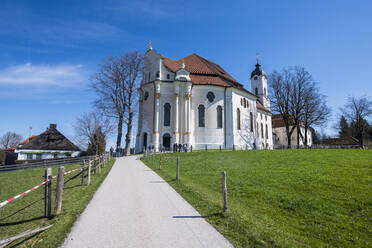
{"x": 194, "y": 101}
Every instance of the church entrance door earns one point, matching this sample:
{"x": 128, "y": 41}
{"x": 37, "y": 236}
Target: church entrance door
{"x": 166, "y": 141}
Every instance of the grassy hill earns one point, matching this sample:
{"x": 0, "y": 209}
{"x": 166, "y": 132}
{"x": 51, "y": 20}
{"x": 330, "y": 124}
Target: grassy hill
{"x": 280, "y": 198}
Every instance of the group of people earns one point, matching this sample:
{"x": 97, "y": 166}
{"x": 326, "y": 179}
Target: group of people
{"x": 176, "y": 148}
{"x": 180, "y": 147}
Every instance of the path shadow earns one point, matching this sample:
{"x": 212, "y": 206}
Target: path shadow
{"x": 21, "y": 221}
{"x": 196, "y": 216}
{"x": 21, "y": 209}
{"x": 71, "y": 187}
{"x": 164, "y": 181}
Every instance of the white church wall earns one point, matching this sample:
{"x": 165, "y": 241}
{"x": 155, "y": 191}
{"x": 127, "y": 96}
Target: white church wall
{"x": 281, "y": 136}
{"x": 147, "y": 115}
{"x": 243, "y": 138}
{"x": 209, "y": 135}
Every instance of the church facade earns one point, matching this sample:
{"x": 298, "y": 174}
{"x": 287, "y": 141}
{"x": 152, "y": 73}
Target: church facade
{"x": 194, "y": 101}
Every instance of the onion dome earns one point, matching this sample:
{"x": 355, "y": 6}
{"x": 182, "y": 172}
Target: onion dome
{"x": 258, "y": 71}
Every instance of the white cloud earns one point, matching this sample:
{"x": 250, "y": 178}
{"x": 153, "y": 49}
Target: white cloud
{"x": 63, "y": 75}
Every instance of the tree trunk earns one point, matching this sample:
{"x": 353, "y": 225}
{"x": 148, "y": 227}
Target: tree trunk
{"x": 288, "y": 137}
{"x": 120, "y": 131}
{"x": 305, "y": 142}
{"x": 128, "y": 137}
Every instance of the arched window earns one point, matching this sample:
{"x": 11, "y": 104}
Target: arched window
{"x": 256, "y": 91}
{"x": 266, "y": 133}
{"x": 262, "y": 130}
{"x": 168, "y": 76}
{"x": 201, "y": 110}
{"x": 241, "y": 101}
{"x": 167, "y": 110}
{"x": 149, "y": 76}
{"x": 238, "y": 119}
{"x": 219, "y": 117}
{"x": 251, "y": 118}
{"x": 146, "y": 95}
{"x": 157, "y": 74}
{"x": 245, "y": 103}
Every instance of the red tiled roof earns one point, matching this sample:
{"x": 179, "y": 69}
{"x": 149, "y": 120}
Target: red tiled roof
{"x": 277, "y": 121}
{"x": 203, "y": 71}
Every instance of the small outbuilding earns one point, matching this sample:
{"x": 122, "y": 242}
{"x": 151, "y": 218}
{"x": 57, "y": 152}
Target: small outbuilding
{"x": 51, "y": 144}
{"x": 343, "y": 143}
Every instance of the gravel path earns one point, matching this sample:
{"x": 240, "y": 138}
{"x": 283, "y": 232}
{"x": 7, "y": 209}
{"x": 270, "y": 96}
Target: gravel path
{"x": 134, "y": 207}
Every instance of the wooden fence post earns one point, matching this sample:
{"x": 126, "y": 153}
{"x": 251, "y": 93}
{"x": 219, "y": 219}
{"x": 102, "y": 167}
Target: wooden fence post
{"x": 178, "y": 169}
{"x": 160, "y": 161}
{"x": 82, "y": 172}
{"x": 224, "y": 191}
{"x": 59, "y": 191}
{"x": 48, "y": 192}
{"x": 206, "y": 148}
{"x": 99, "y": 166}
{"x": 89, "y": 168}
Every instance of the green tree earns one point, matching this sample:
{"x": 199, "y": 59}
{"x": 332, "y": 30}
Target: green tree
{"x": 97, "y": 144}
{"x": 343, "y": 128}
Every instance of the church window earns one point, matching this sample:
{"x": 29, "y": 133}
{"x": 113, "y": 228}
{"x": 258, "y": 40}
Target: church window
{"x": 245, "y": 103}
{"x": 264, "y": 91}
{"x": 219, "y": 117}
{"x": 201, "y": 110}
{"x": 168, "y": 76}
{"x": 256, "y": 91}
{"x": 255, "y": 78}
{"x": 251, "y": 118}
{"x": 265, "y": 117}
{"x": 167, "y": 110}
{"x": 241, "y": 101}
{"x": 266, "y": 133}
{"x": 149, "y": 76}
{"x": 157, "y": 74}
{"x": 262, "y": 130}
{"x": 238, "y": 119}
{"x": 146, "y": 95}
{"x": 210, "y": 96}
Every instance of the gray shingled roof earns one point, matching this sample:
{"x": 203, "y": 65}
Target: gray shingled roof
{"x": 51, "y": 139}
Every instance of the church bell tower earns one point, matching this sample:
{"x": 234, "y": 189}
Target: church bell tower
{"x": 259, "y": 85}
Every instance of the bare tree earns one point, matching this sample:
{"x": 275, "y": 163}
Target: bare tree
{"x": 357, "y": 110}
{"x": 10, "y": 139}
{"x": 132, "y": 66}
{"x": 116, "y": 85}
{"x": 289, "y": 88}
{"x": 88, "y": 126}
{"x": 315, "y": 111}
{"x": 109, "y": 84}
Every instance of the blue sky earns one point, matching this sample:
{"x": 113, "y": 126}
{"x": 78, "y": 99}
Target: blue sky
{"x": 50, "y": 49}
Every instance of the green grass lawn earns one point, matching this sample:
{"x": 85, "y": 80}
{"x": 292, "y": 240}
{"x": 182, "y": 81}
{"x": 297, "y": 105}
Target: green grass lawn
{"x": 280, "y": 198}
{"x": 26, "y": 213}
